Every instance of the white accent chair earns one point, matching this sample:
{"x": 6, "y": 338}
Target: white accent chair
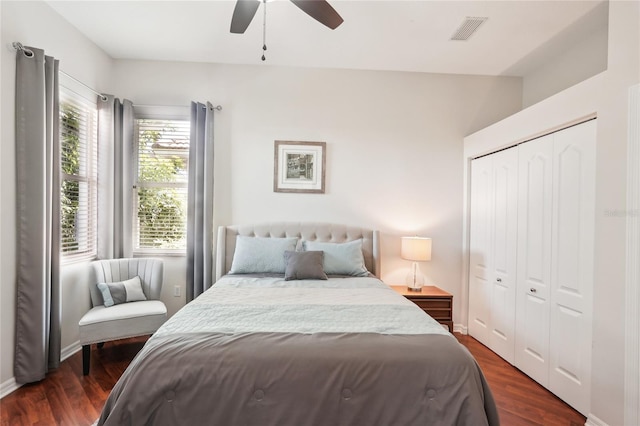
{"x": 102, "y": 324}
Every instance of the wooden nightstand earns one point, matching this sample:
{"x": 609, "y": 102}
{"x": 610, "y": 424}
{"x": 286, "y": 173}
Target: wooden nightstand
{"x": 433, "y": 300}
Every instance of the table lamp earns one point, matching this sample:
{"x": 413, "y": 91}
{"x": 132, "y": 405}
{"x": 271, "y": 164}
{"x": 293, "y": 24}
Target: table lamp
{"x": 416, "y": 249}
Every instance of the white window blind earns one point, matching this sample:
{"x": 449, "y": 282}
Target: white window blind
{"x": 160, "y": 204}
{"x": 78, "y": 177}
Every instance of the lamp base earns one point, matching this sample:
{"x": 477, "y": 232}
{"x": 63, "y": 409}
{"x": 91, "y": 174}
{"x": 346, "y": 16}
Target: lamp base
{"x": 415, "y": 280}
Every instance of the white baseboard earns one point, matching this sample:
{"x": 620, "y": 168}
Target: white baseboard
{"x": 67, "y": 351}
{"x": 459, "y": 328}
{"x": 11, "y": 385}
{"x": 8, "y": 386}
{"x": 594, "y": 421}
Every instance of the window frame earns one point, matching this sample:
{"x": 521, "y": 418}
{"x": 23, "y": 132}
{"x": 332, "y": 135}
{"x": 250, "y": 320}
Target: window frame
{"x": 144, "y": 112}
{"x": 78, "y": 96}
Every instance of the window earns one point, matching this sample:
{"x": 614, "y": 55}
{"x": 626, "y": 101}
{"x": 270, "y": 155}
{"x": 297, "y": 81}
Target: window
{"x": 160, "y": 202}
{"x": 78, "y": 176}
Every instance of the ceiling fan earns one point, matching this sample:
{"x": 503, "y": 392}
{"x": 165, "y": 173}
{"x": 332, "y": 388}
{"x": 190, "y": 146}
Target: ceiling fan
{"x": 319, "y": 10}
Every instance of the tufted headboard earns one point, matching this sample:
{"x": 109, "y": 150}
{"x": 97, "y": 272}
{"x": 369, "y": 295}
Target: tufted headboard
{"x": 310, "y": 231}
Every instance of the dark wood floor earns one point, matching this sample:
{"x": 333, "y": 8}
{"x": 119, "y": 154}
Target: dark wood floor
{"x": 520, "y": 400}
{"x": 66, "y": 397}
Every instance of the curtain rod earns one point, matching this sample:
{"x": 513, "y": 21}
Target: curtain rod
{"x": 102, "y": 96}
{"x": 29, "y": 53}
{"x": 217, "y": 107}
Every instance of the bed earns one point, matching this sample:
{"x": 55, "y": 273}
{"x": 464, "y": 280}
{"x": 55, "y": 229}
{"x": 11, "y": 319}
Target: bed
{"x": 259, "y": 349}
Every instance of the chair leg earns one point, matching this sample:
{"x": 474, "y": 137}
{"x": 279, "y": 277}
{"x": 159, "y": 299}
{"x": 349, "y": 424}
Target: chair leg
{"x": 86, "y": 359}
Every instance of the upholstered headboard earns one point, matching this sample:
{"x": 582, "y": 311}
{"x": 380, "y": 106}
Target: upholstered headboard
{"x": 311, "y": 231}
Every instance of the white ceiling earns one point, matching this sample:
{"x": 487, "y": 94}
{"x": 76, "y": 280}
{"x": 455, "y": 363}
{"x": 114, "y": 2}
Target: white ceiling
{"x": 379, "y": 35}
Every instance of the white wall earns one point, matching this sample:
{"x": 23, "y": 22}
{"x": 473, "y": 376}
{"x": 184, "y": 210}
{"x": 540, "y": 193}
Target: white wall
{"x": 607, "y": 95}
{"x": 36, "y": 24}
{"x": 394, "y": 142}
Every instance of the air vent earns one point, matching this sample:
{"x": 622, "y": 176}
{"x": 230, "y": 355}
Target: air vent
{"x": 468, "y": 27}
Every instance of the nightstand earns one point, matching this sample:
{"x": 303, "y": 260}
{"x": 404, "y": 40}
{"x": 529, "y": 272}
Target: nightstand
{"x": 433, "y": 300}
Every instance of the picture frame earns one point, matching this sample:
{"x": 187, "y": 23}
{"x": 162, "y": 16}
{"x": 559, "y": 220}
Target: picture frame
{"x": 299, "y": 167}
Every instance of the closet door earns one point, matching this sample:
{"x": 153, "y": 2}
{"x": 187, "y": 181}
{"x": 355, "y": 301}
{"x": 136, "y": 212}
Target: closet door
{"x": 504, "y": 228}
{"x": 535, "y": 199}
{"x": 531, "y": 258}
{"x": 572, "y": 246}
{"x": 480, "y": 249}
{"x": 493, "y": 228}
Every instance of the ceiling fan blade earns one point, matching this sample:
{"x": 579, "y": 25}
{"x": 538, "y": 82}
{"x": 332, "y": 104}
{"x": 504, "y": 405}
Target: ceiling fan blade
{"x": 321, "y": 11}
{"x": 243, "y": 14}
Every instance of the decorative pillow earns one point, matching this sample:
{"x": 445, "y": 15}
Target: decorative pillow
{"x": 120, "y": 292}
{"x": 261, "y": 255}
{"x": 304, "y": 265}
{"x": 341, "y": 258}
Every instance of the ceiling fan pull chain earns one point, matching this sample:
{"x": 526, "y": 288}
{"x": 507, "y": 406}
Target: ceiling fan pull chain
{"x": 264, "y": 30}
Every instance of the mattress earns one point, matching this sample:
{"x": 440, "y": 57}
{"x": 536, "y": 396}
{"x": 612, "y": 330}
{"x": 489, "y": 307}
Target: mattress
{"x": 264, "y": 351}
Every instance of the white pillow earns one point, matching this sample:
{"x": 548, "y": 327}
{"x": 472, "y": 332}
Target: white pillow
{"x": 341, "y": 258}
{"x": 121, "y": 292}
{"x": 261, "y": 255}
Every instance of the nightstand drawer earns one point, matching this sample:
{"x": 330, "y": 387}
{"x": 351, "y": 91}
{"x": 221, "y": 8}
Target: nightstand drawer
{"x": 443, "y": 314}
{"x": 439, "y": 315}
{"x": 431, "y": 304}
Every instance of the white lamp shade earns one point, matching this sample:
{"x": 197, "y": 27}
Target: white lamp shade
{"x": 417, "y": 249}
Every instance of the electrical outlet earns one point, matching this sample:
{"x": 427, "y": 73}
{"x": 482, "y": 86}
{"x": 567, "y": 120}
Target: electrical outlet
{"x": 176, "y": 291}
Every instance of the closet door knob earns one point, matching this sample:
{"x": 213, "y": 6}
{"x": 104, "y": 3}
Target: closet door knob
{"x": 533, "y": 290}
{"x": 499, "y": 280}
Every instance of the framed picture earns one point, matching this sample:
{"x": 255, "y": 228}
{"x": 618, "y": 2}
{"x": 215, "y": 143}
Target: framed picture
{"x": 299, "y": 167}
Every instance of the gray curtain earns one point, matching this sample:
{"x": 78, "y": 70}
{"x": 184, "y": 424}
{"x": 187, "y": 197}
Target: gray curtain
{"x": 38, "y": 216}
{"x": 115, "y": 177}
{"x": 200, "y": 201}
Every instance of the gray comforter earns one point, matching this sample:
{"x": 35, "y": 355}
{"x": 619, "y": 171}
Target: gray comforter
{"x": 347, "y": 351}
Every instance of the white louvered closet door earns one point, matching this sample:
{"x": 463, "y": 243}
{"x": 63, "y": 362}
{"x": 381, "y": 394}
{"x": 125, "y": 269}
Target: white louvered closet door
{"x": 493, "y": 228}
{"x": 535, "y": 197}
{"x": 572, "y": 246}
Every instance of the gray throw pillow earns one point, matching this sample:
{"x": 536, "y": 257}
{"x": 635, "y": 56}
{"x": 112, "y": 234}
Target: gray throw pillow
{"x": 304, "y": 265}
{"x": 120, "y": 292}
